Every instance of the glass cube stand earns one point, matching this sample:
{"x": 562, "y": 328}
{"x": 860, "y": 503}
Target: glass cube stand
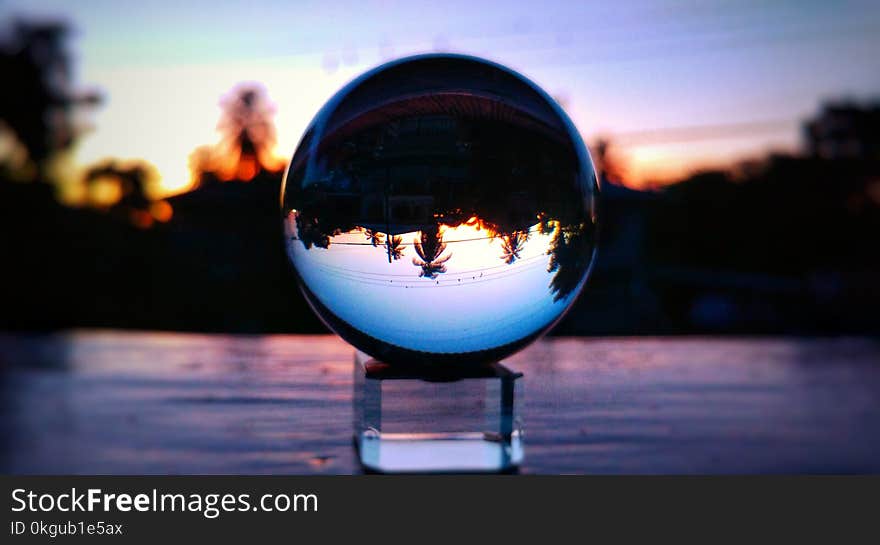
{"x": 423, "y": 420}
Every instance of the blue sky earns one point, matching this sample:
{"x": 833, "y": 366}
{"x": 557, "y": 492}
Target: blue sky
{"x": 618, "y": 67}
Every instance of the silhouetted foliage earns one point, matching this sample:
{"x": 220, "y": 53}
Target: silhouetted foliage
{"x": 37, "y": 98}
{"x": 247, "y": 142}
{"x": 135, "y": 181}
{"x": 571, "y": 252}
{"x": 511, "y": 246}
{"x": 374, "y": 237}
{"x": 609, "y": 165}
{"x": 394, "y": 247}
{"x": 784, "y": 245}
{"x": 429, "y": 246}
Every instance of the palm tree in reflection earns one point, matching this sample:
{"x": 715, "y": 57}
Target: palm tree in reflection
{"x": 430, "y": 247}
{"x": 375, "y": 237}
{"x": 512, "y": 245}
{"x": 394, "y": 247}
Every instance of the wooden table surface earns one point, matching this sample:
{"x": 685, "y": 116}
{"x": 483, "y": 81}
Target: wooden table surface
{"x": 135, "y": 403}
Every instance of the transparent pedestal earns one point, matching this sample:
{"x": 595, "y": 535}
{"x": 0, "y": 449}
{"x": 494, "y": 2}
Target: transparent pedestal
{"x": 417, "y": 420}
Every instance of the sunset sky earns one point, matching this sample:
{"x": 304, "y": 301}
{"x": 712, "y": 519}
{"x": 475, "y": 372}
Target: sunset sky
{"x": 682, "y": 84}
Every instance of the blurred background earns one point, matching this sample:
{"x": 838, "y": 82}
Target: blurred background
{"x": 142, "y": 147}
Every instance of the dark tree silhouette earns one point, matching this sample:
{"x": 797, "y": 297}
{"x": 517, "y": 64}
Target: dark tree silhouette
{"x": 310, "y": 233}
{"x": 429, "y": 247}
{"x": 511, "y": 245}
{"x": 247, "y": 139}
{"x": 394, "y": 247}
{"x": 374, "y": 237}
{"x": 37, "y": 98}
{"x": 571, "y": 252}
{"x": 135, "y": 180}
{"x": 609, "y": 165}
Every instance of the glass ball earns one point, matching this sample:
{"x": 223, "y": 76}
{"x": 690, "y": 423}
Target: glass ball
{"x": 440, "y": 210}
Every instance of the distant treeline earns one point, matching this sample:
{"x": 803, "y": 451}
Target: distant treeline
{"x": 788, "y": 248}
{"x": 783, "y": 245}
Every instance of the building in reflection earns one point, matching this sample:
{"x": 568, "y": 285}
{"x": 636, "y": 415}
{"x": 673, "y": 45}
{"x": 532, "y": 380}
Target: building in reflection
{"x": 403, "y": 178}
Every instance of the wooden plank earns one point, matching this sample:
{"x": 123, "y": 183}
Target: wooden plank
{"x": 122, "y": 402}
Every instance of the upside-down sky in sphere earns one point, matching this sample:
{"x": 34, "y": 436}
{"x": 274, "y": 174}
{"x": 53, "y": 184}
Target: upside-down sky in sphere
{"x": 479, "y": 301}
{"x": 677, "y": 84}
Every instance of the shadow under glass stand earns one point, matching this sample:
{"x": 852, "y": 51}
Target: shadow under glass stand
{"x": 418, "y": 420}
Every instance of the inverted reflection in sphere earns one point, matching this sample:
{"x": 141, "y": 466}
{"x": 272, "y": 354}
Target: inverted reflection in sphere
{"x": 440, "y": 209}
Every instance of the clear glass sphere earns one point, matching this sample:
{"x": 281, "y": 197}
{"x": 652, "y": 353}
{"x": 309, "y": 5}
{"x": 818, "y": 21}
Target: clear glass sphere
{"x": 440, "y": 209}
